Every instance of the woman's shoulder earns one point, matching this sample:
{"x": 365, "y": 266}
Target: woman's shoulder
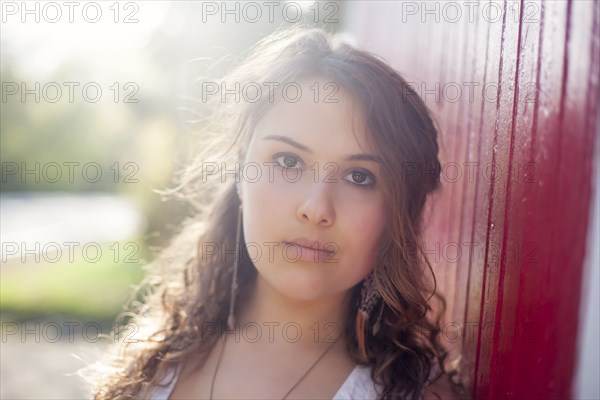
{"x": 358, "y": 385}
{"x": 163, "y": 392}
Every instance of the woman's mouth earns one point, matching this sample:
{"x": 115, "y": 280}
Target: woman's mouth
{"x": 294, "y": 252}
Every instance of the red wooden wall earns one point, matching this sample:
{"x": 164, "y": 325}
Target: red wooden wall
{"x": 507, "y": 234}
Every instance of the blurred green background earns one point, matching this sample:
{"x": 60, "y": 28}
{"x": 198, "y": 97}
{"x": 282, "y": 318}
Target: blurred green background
{"x": 137, "y": 142}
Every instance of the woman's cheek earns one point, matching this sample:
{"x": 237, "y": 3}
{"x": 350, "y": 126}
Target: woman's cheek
{"x": 365, "y": 225}
{"x": 270, "y": 192}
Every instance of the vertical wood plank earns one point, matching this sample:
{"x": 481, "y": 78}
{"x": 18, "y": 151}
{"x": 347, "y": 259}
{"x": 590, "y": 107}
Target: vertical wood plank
{"x": 519, "y": 211}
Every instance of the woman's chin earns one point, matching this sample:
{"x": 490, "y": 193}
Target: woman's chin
{"x": 298, "y": 284}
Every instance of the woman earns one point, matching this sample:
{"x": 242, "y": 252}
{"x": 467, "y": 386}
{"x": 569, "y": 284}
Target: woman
{"x": 326, "y": 295}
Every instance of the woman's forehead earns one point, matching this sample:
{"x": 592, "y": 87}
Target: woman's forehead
{"x": 333, "y": 120}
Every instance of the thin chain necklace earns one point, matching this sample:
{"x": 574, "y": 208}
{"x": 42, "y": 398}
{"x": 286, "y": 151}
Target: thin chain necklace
{"x": 289, "y": 391}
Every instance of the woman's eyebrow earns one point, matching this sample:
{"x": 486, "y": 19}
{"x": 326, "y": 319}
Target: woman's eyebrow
{"x": 289, "y": 141}
{"x": 292, "y": 142}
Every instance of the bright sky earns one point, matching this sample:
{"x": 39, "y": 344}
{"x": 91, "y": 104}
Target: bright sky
{"x": 36, "y": 49}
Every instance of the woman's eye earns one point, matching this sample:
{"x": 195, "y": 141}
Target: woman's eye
{"x": 359, "y": 178}
{"x": 287, "y": 161}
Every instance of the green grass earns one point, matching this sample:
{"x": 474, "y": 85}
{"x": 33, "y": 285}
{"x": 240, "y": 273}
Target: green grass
{"x": 78, "y": 288}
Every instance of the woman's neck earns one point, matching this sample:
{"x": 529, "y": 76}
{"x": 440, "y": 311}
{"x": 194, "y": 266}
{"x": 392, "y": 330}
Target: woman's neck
{"x": 281, "y": 319}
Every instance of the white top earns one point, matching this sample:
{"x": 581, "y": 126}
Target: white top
{"x": 358, "y": 385}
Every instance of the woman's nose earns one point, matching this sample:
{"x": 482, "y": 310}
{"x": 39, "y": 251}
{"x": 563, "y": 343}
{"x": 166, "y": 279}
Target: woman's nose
{"x": 317, "y": 205}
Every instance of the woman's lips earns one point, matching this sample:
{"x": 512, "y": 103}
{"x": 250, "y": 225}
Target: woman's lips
{"x": 301, "y": 253}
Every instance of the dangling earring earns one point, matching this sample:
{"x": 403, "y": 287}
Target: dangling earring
{"x": 234, "y": 285}
{"x": 369, "y": 296}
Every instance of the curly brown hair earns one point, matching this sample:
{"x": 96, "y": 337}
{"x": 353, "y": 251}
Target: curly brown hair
{"x": 185, "y": 288}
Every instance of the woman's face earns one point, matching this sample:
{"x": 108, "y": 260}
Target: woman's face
{"x": 307, "y": 176}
